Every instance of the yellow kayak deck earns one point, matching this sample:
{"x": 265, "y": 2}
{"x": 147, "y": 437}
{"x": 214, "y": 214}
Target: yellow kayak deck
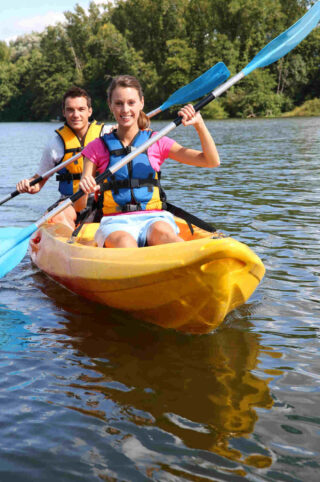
{"x": 189, "y": 286}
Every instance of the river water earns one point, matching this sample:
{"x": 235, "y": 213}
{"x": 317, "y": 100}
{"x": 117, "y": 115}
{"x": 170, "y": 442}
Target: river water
{"x": 88, "y": 394}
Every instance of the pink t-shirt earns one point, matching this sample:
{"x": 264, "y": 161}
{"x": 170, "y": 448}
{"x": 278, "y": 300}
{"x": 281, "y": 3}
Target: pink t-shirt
{"x": 98, "y": 153}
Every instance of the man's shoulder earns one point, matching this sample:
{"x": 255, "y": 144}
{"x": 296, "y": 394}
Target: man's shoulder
{"x": 54, "y": 140}
{"x": 107, "y": 128}
{"x": 54, "y": 147}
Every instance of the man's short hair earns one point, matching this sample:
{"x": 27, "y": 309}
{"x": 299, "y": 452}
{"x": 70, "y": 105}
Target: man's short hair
{"x": 76, "y": 92}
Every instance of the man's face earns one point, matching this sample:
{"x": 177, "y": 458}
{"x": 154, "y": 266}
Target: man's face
{"x": 77, "y": 113}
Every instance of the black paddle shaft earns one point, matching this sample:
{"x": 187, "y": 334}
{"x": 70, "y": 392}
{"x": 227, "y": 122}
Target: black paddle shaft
{"x": 16, "y": 192}
{"x": 99, "y": 179}
{"x": 198, "y": 106}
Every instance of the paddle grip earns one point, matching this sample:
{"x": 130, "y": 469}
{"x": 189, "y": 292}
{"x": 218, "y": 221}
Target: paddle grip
{"x": 198, "y": 106}
{"x": 16, "y": 193}
{"x": 35, "y": 181}
{"x": 103, "y": 176}
{"x": 77, "y": 195}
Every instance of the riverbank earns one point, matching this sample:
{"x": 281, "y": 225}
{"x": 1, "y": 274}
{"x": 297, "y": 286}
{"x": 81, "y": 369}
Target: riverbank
{"x": 215, "y": 111}
{"x": 310, "y": 108}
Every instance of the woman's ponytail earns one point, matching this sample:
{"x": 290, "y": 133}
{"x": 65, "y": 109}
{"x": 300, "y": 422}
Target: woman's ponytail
{"x": 143, "y": 121}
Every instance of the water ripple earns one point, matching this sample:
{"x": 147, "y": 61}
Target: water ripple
{"x": 87, "y": 393}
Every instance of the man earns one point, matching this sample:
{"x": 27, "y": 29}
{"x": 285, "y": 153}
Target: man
{"x": 69, "y": 139}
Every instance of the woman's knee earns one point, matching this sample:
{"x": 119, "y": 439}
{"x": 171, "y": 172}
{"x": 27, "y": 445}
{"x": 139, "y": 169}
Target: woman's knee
{"x": 120, "y": 239}
{"x": 161, "y": 233}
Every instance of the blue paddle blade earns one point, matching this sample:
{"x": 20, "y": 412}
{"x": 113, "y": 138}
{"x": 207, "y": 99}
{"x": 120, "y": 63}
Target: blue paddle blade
{"x": 199, "y": 87}
{"x": 14, "y": 247}
{"x": 10, "y": 232}
{"x": 285, "y": 42}
{"x": 12, "y": 258}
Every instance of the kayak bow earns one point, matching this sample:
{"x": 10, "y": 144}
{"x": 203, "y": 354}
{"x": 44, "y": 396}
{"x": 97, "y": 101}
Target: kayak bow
{"x": 189, "y": 286}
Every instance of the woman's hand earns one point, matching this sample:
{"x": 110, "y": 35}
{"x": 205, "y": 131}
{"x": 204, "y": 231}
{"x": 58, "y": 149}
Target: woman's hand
{"x": 88, "y": 184}
{"x": 190, "y": 116}
{"x": 209, "y": 156}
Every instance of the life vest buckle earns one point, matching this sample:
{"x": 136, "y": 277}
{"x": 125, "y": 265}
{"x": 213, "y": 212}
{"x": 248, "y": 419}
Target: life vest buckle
{"x": 134, "y": 183}
{"x": 125, "y": 208}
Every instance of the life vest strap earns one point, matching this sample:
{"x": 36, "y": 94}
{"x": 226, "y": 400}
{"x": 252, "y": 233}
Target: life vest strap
{"x": 129, "y": 208}
{"x": 115, "y": 185}
{"x": 73, "y": 150}
{"x": 122, "y": 152}
{"x": 67, "y": 176}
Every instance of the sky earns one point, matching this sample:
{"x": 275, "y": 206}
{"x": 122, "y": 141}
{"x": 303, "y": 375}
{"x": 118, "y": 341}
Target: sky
{"x": 19, "y": 17}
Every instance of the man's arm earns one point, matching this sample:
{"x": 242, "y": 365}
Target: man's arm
{"x": 51, "y": 155}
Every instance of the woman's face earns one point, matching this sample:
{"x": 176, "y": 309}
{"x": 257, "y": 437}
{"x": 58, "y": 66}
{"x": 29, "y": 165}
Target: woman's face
{"x": 126, "y": 106}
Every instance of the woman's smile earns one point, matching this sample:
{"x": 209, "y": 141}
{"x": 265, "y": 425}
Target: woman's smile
{"x": 126, "y": 106}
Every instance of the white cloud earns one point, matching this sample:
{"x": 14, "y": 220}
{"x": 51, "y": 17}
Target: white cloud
{"x": 40, "y": 21}
{"x": 33, "y": 24}
{"x": 11, "y": 28}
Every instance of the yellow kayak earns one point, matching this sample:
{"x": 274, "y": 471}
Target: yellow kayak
{"x": 189, "y": 286}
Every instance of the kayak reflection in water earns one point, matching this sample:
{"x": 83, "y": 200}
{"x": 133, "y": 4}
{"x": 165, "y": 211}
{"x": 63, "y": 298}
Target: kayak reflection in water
{"x": 132, "y": 200}
{"x": 206, "y": 391}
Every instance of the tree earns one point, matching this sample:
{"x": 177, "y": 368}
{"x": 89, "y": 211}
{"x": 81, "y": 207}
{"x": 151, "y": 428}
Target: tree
{"x": 4, "y": 52}
{"x": 256, "y": 96}
{"x": 148, "y": 25}
{"x": 166, "y": 44}
{"x": 179, "y": 65}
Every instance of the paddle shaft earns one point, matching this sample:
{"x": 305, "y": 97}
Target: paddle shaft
{"x": 108, "y": 172}
{"x": 46, "y": 175}
{"x": 272, "y": 52}
{"x": 202, "y": 103}
{"x": 154, "y": 112}
{"x": 276, "y": 49}
{"x": 163, "y": 132}
{"x": 196, "y": 89}
{"x": 269, "y": 54}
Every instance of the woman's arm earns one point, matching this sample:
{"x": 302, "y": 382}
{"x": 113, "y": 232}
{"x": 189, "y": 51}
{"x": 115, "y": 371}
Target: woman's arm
{"x": 209, "y": 156}
{"x": 87, "y": 183}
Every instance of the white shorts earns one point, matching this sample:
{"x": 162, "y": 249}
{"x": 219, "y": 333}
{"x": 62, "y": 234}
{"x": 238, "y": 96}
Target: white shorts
{"x": 136, "y": 224}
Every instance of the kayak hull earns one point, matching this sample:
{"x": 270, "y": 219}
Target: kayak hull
{"x": 189, "y": 286}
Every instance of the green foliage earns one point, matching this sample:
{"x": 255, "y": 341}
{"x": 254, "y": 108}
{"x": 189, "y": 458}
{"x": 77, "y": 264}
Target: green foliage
{"x": 8, "y": 83}
{"x": 214, "y": 110}
{"x": 179, "y": 65}
{"x": 22, "y": 46}
{"x": 148, "y": 25}
{"x": 4, "y": 52}
{"x": 309, "y": 108}
{"x": 256, "y": 97}
{"x": 166, "y": 44}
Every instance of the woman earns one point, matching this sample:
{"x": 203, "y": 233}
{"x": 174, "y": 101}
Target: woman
{"x": 132, "y": 199}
